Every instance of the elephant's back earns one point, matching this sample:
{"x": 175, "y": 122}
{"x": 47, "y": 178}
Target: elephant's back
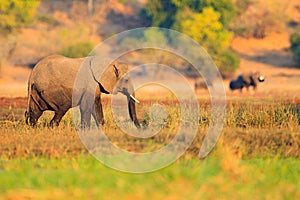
{"x": 55, "y": 75}
{"x": 56, "y": 69}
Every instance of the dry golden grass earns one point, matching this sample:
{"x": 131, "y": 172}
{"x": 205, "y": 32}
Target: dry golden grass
{"x": 250, "y": 130}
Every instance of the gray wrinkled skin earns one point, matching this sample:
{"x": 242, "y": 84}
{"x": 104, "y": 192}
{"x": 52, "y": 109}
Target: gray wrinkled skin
{"x": 50, "y": 87}
{"x": 246, "y": 80}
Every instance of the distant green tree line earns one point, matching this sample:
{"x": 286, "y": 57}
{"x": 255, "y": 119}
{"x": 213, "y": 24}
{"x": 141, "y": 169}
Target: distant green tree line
{"x": 206, "y": 21}
{"x": 295, "y": 47}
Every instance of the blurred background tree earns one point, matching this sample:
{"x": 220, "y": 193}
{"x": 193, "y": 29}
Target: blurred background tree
{"x": 259, "y": 18}
{"x": 206, "y": 21}
{"x": 16, "y": 13}
{"x": 295, "y": 47}
{"x": 161, "y": 13}
{"x": 13, "y": 15}
{"x": 78, "y": 50}
{"x": 60, "y": 26}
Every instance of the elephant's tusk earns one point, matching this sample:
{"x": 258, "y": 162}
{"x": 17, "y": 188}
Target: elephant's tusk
{"x": 137, "y": 101}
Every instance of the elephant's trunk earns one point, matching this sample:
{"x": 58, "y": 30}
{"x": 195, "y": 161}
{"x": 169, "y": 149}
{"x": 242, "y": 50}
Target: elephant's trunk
{"x": 129, "y": 92}
{"x": 126, "y": 87}
{"x": 132, "y": 111}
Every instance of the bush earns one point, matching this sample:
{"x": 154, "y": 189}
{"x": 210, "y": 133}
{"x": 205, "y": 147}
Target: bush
{"x": 205, "y": 21}
{"x": 227, "y": 63}
{"x": 161, "y": 13}
{"x": 295, "y": 47}
{"x": 208, "y": 31}
{"x": 224, "y": 7}
{"x": 48, "y": 19}
{"x": 16, "y": 13}
{"x": 80, "y": 49}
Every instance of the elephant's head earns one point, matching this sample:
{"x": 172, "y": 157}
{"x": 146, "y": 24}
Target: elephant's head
{"x": 113, "y": 80}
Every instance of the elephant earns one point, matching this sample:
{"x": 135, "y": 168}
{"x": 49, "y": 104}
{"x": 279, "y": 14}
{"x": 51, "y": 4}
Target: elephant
{"x": 51, "y": 87}
{"x": 246, "y": 80}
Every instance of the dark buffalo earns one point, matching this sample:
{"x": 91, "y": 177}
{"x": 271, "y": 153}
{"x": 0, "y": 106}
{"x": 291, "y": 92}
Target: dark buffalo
{"x": 246, "y": 80}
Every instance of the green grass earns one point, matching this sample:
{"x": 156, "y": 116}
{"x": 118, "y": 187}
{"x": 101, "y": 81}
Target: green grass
{"x": 257, "y": 157}
{"x": 212, "y": 178}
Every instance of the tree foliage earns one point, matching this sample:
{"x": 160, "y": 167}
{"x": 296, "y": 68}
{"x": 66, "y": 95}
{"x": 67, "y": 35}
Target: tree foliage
{"x": 225, "y": 8}
{"x": 295, "y": 47}
{"x": 210, "y": 33}
{"x": 78, "y": 50}
{"x": 161, "y": 13}
{"x": 206, "y": 21}
{"x": 15, "y": 13}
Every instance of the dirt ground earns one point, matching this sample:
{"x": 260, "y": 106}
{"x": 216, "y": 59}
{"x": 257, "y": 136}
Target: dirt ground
{"x": 271, "y": 57}
{"x": 13, "y": 81}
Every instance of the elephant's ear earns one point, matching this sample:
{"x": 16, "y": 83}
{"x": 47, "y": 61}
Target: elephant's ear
{"x": 111, "y": 76}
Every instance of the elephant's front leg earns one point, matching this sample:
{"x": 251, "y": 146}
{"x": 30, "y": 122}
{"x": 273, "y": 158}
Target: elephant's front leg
{"x": 85, "y": 113}
{"x": 98, "y": 111}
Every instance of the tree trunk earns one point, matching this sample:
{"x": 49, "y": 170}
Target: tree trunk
{"x": 90, "y": 7}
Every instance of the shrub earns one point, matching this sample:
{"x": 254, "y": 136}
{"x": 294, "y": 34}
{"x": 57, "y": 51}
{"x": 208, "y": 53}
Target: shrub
{"x": 227, "y": 63}
{"x": 208, "y": 31}
{"x": 160, "y": 13}
{"x": 16, "y": 13}
{"x": 80, "y": 49}
{"x": 48, "y": 19}
{"x": 295, "y": 47}
{"x": 205, "y": 21}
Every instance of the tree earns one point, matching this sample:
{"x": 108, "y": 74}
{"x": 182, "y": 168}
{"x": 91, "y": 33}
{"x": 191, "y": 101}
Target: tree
{"x": 209, "y": 32}
{"x": 16, "y": 13}
{"x": 90, "y": 7}
{"x": 77, "y": 50}
{"x": 224, "y": 7}
{"x": 161, "y": 13}
{"x": 295, "y": 47}
{"x": 206, "y": 21}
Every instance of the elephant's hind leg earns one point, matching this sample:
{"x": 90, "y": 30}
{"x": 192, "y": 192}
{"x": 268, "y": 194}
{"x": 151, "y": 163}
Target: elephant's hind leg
{"x": 33, "y": 113}
{"x": 98, "y": 118}
{"x": 33, "y": 117}
{"x": 57, "y": 117}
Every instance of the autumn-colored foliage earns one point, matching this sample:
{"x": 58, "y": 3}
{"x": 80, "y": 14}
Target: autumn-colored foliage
{"x": 16, "y": 13}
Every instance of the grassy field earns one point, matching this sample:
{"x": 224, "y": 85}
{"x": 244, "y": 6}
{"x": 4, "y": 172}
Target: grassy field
{"x": 257, "y": 157}
{"x": 221, "y": 176}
